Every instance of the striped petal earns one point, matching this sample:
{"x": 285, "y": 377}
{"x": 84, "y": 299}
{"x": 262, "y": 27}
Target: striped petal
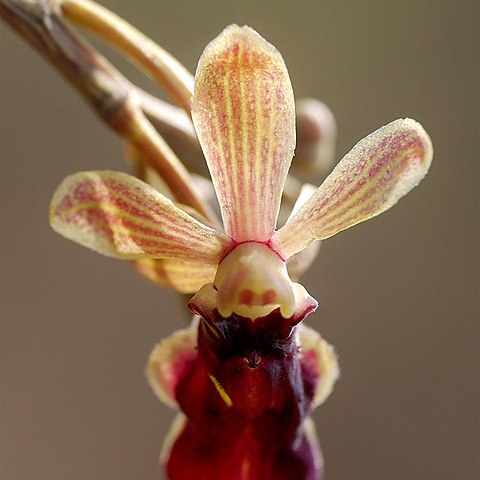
{"x": 120, "y": 216}
{"x": 244, "y": 114}
{"x": 371, "y": 178}
{"x": 184, "y": 277}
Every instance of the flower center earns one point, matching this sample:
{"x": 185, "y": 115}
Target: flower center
{"x": 252, "y": 280}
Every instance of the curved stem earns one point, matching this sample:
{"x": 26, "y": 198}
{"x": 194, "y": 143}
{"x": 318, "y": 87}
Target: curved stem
{"x": 108, "y": 92}
{"x": 145, "y": 53}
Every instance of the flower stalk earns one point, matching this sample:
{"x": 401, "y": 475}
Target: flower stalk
{"x": 108, "y": 92}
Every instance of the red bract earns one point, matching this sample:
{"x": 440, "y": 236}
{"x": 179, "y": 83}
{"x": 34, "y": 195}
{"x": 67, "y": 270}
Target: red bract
{"x": 247, "y": 374}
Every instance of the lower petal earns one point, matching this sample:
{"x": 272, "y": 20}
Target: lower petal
{"x": 184, "y": 277}
{"x": 195, "y": 454}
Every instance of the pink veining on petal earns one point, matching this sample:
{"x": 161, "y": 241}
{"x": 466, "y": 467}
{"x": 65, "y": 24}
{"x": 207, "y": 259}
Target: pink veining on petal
{"x": 371, "y": 178}
{"x": 243, "y": 111}
{"x": 119, "y": 215}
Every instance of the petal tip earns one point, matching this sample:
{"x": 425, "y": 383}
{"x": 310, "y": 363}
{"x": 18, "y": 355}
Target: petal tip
{"x": 424, "y": 138}
{"x": 418, "y": 150}
{"x": 230, "y": 37}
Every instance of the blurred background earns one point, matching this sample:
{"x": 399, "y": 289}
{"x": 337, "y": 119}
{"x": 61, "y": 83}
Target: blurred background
{"x": 398, "y": 294}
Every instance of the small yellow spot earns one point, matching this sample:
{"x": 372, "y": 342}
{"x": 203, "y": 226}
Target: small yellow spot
{"x": 245, "y": 468}
{"x": 221, "y": 391}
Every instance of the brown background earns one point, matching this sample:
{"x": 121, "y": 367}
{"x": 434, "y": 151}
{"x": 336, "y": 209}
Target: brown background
{"x": 398, "y": 295}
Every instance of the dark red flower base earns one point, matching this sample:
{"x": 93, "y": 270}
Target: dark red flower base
{"x": 246, "y": 397}
{"x": 243, "y": 455}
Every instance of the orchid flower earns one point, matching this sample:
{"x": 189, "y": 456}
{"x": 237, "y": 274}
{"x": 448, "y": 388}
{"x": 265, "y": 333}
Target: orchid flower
{"x": 238, "y": 374}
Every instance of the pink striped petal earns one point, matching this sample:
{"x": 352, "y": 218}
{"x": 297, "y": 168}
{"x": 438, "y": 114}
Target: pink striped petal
{"x": 119, "y": 215}
{"x": 244, "y": 115}
{"x": 184, "y": 277}
{"x": 371, "y": 178}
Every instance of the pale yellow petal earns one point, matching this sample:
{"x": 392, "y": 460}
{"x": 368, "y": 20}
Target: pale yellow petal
{"x": 370, "y": 179}
{"x": 119, "y": 215}
{"x": 176, "y": 428}
{"x": 299, "y": 263}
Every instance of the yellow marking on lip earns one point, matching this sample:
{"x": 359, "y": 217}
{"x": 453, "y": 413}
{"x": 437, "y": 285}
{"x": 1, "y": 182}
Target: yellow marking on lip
{"x": 221, "y": 391}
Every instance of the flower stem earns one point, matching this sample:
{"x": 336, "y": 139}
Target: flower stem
{"x": 129, "y": 41}
{"x": 109, "y": 93}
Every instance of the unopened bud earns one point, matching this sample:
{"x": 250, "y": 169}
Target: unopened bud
{"x": 316, "y": 137}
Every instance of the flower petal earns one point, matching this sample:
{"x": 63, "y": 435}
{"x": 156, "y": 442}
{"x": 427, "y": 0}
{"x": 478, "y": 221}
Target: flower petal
{"x": 371, "y": 178}
{"x": 319, "y": 363}
{"x": 184, "y": 277}
{"x": 118, "y": 215}
{"x": 299, "y": 263}
{"x": 244, "y": 114}
{"x": 306, "y": 192}
{"x": 170, "y": 360}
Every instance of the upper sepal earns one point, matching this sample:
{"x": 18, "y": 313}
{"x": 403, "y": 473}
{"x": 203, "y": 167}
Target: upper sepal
{"x": 244, "y": 114}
